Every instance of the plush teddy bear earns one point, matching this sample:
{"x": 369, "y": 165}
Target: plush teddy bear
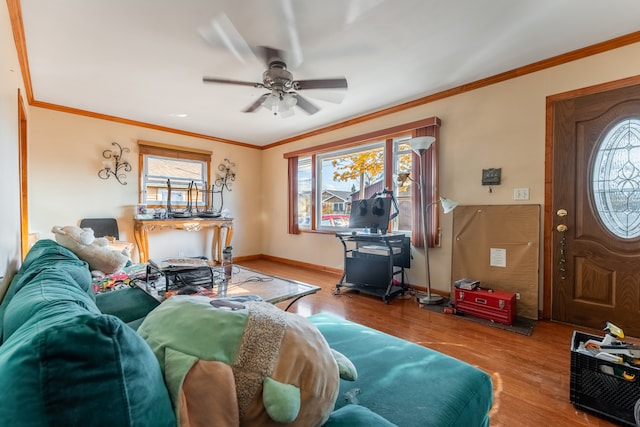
{"x": 230, "y": 362}
{"x": 95, "y": 251}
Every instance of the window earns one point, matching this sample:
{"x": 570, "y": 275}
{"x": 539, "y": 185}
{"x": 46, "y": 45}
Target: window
{"x": 403, "y": 191}
{"x": 185, "y": 169}
{"x": 325, "y": 181}
{"x": 350, "y": 174}
{"x": 303, "y": 192}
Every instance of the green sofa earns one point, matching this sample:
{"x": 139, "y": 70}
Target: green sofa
{"x": 72, "y": 358}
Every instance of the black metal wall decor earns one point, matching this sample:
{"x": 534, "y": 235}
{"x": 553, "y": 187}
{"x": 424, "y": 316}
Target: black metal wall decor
{"x": 114, "y": 165}
{"x": 225, "y": 180}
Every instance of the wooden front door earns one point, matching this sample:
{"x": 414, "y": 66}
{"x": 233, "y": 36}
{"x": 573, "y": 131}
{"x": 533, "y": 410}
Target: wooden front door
{"x": 596, "y": 210}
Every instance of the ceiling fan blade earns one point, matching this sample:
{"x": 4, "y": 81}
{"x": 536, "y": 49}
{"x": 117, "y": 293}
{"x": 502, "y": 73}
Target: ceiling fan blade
{"x": 340, "y": 83}
{"x": 357, "y": 8}
{"x": 231, "y": 82}
{"x": 253, "y": 107}
{"x": 333, "y": 96}
{"x": 221, "y": 30}
{"x": 295, "y": 58}
{"x": 304, "y": 103}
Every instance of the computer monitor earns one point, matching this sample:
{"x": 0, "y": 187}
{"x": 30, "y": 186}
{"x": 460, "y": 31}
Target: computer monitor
{"x": 372, "y": 214}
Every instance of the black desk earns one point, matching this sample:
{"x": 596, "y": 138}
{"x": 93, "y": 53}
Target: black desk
{"x": 371, "y": 262}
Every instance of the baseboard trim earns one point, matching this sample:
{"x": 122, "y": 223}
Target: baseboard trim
{"x": 247, "y": 258}
{"x": 288, "y": 262}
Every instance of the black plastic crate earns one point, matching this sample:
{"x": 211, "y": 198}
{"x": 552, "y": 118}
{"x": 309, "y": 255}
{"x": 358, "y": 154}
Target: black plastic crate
{"x": 599, "y": 385}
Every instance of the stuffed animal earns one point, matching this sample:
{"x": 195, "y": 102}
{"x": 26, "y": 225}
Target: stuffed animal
{"x": 95, "y": 251}
{"x": 230, "y": 362}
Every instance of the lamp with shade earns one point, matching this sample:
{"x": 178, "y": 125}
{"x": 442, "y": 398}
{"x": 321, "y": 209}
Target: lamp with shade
{"x": 419, "y": 145}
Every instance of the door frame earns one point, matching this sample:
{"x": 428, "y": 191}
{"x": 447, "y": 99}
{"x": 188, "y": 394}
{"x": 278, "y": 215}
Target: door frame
{"x": 548, "y": 178}
{"x": 24, "y": 182}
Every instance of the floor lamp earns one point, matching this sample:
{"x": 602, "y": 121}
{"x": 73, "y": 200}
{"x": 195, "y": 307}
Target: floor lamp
{"x": 419, "y": 145}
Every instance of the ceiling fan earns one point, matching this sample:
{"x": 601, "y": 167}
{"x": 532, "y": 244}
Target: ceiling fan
{"x": 283, "y": 95}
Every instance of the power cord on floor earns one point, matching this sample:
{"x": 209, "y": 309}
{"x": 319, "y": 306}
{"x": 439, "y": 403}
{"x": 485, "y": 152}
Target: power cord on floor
{"x": 256, "y": 279}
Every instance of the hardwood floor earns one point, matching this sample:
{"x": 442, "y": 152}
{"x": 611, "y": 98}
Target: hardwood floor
{"x": 530, "y": 373}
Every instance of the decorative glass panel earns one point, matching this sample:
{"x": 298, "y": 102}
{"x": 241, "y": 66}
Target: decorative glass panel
{"x": 616, "y": 179}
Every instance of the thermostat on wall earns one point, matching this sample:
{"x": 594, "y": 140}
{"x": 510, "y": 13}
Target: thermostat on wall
{"x": 491, "y": 176}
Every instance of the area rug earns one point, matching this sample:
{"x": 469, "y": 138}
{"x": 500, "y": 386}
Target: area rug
{"x": 522, "y": 325}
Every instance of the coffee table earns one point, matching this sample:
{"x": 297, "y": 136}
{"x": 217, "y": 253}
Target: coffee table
{"x": 245, "y": 281}
{"x": 271, "y": 289}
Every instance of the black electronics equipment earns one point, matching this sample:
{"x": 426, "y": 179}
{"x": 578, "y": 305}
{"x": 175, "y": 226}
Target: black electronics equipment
{"x": 372, "y": 214}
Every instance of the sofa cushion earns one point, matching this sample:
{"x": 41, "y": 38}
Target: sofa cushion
{"x": 63, "y": 362}
{"x": 87, "y": 370}
{"x": 356, "y": 416}
{"x": 131, "y": 305}
{"x": 408, "y": 384}
{"x": 50, "y": 273}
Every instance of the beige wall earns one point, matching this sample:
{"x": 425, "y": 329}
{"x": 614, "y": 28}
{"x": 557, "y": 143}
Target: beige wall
{"x": 10, "y": 82}
{"x": 65, "y": 154}
{"x": 500, "y": 126}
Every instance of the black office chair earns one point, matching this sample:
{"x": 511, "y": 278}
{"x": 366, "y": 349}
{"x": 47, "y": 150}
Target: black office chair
{"x": 101, "y": 227}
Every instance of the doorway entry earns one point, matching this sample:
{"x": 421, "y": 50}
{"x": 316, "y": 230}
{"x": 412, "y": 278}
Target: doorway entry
{"x": 592, "y": 261}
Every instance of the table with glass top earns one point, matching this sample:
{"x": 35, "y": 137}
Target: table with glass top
{"x": 245, "y": 281}
{"x": 271, "y": 289}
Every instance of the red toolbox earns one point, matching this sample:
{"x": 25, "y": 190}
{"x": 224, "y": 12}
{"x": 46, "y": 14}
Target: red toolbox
{"x": 498, "y": 306}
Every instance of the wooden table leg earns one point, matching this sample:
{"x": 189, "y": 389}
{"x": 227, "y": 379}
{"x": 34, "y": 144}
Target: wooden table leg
{"x": 227, "y": 241}
{"x": 215, "y": 245}
{"x": 142, "y": 241}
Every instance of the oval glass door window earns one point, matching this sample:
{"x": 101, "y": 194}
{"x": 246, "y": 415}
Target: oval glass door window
{"x": 616, "y": 179}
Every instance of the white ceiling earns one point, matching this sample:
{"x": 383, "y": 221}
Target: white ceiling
{"x": 144, "y": 60}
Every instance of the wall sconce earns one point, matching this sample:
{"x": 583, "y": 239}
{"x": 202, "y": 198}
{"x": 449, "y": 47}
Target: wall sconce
{"x": 114, "y": 165}
{"x": 227, "y": 176}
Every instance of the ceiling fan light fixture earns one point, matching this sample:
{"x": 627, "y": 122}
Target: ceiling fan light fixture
{"x": 280, "y": 103}
{"x": 286, "y": 113}
{"x": 290, "y": 100}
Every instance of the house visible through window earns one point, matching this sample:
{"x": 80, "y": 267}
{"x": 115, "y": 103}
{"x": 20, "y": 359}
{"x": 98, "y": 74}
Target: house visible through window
{"x": 183, "y": 172}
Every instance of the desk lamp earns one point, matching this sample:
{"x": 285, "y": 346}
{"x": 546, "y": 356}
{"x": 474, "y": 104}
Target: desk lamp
{"x": 419, "y": 145}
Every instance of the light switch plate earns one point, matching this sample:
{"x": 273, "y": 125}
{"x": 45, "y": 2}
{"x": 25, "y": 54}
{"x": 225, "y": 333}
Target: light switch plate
{"x": 520, "y": 194}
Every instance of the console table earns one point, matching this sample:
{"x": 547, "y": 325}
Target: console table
{"x": 142, "y": 227}
{"x": 372, "y": 260}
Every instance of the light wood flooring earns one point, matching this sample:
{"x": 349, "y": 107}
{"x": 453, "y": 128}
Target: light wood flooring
{"x": 530, "y": 373}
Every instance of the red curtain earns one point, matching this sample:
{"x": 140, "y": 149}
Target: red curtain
{"x": 429, "y": 164}
{"x": 293, "y": 195}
